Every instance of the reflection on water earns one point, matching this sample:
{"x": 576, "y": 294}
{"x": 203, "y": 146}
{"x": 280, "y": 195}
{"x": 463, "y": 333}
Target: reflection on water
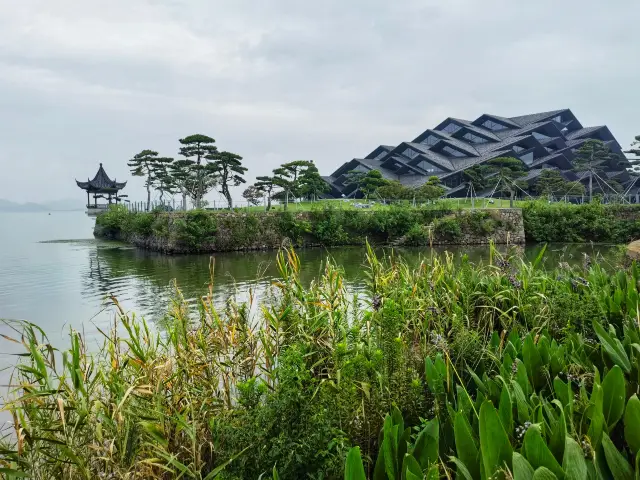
{"x": 56, "y": 283}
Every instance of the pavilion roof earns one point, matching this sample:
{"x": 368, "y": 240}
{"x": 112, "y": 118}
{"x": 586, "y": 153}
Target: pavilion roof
{"x": 101, "y": 183}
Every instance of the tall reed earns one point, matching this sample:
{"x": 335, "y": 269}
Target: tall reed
{"x": 292, "y": 382}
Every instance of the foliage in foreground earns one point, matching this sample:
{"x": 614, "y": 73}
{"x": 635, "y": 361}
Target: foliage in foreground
{"x": 442, "y": 370}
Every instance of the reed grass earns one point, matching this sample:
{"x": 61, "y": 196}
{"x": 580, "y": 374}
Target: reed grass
{"x": 292, "y": 383}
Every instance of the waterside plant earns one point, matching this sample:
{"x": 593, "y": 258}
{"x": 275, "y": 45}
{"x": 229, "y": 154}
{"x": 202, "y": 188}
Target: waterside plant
{"x": 447, "y": 369}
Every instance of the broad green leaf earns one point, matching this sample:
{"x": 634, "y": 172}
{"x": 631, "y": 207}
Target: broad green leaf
{"x": 353, "y": 469}
{"x": 523, "y": 379}
{"x": 537, "y": 452}
{"x": 618, "y": 465}
{"x": 396, "y": 416}
{"x": 613, "y": 347}
{"x": 466, "y": 447}
{"x": 543, "y": 350}
{"x": 390, "y": 447}
{"x": 434, "y": 380}
{"x": 596, "y": 416}
{"x": 505, "y": 410}
{"x": 543, "y": 473}
{"x": 426, "y": 447}
{"x": 461, "y": 469}
{"x": 557, "y": 440}
{"x": 481, "y": 386}
{"x": 561, "y": 391}
{"x": 573, "y": 463}
{"x": 494, "y": 443}
{"x": 433, "y": 473}
{"x": 613, "y": 390}
{"x": 524, "y": 412}
{"x": 522, "y": 470}
{"x": 532, "y": 361}
{"x": 410, "y": 466}
{"x": 403, "y": 444}
{"x": 632, "y": 423}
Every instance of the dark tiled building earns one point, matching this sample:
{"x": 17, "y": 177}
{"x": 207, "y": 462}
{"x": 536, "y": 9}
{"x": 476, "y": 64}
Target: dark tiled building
{"x": 540, "y": 140}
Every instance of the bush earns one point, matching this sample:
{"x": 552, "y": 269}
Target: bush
{"x": 591, "y": 222}
{"x": 418, "y": 235}
{"x": 195, "y": 229}
{"x": 448, "y": 228}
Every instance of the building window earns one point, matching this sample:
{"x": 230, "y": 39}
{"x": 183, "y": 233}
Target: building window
{"x": 491, "y": 125}
{"x": 410, "y": 153}
{"x": 557, "y": 119}
{"x": 518, "y": 148}
{"x": 451, "y": 128}
{"x": 527, "y": 158}
{"x": 430, "y": 140}
{"x": 540, "y": 136}
{"x": 474, "y": 138}
{"x": 380, "y": 155}
{"x": 452, "y": 152}
{"x": 428, "y": 167}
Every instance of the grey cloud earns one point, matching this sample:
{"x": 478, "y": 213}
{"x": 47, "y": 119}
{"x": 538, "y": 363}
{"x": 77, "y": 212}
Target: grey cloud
{"x": 85, "y": 82}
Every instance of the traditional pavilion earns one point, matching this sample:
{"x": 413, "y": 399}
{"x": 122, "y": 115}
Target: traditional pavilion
{"x": 102, "y": 187}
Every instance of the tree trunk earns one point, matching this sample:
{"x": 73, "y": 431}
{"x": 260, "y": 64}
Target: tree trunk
{"x": 184, "y": 201}
{"x": 227, "y": 195}
{"x": 286, "y": 199}
{"x": 268, "y": 202}
{"x": 148, "y": 195}
{"x": 511, "y": 199}
{"x": 590, "y": 185}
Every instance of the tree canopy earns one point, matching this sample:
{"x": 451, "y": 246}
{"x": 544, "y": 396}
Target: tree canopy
{"x": 266, "y": 185}
{"x": 252, "y": 195}
{"x": 199, "y": 146}
{"x": 508, "y": 171}
{"x": 152, "y": 167}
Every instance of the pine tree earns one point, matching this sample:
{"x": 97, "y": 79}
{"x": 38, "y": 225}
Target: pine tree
{"x": 199, "y": 146}
{"x": 589, "y": 157}
{"x": 184, "y": 179}
{"x": 266, "y": 185}
{"x": 371, "y": 182}
{"x": 252, "y": 195}
{"x": 227, "y": 168}
{"x": 287, "y": 177}
{"x": 312, "y": 184}
{"x": 508, "y": 170}
{"x": 149, "y": 165}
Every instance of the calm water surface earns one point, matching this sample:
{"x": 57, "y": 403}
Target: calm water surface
{"x": 56, "y": 275}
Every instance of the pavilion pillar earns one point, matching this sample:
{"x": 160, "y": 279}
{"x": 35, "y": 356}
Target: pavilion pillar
{"x": 109, "y": 199}
{"x": 88, "y": 199}
{"x": 95, "y": 200}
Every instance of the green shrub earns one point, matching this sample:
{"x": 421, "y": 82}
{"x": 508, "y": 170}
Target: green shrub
{"x": 418, "y": 235}
{"x": 590, "y": 222}
{"x": 448, "y": 228}
{"x": 195, "y": 229}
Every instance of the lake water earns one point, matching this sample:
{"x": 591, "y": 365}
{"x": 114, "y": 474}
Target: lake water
{"x": 55, "y": 274}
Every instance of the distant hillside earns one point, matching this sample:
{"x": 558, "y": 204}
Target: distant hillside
{"x": 57, "y": 205}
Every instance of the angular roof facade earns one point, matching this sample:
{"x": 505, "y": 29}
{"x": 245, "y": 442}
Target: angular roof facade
{"x": 540, "y": 140}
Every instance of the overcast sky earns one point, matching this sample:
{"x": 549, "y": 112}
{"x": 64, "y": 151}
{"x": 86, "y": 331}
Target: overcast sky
{"x": 89, "y": 81}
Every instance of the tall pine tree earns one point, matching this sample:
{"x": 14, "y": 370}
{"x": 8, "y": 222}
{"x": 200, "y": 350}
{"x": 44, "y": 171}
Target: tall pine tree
{"x": 197, "y": 147}
{"x": 149, "y": 165}
{"x": 227, "y": 168}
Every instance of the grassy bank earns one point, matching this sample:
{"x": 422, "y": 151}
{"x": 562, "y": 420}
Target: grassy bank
{"x": 466, "y": 371}
{"x": 203, "y": 231}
